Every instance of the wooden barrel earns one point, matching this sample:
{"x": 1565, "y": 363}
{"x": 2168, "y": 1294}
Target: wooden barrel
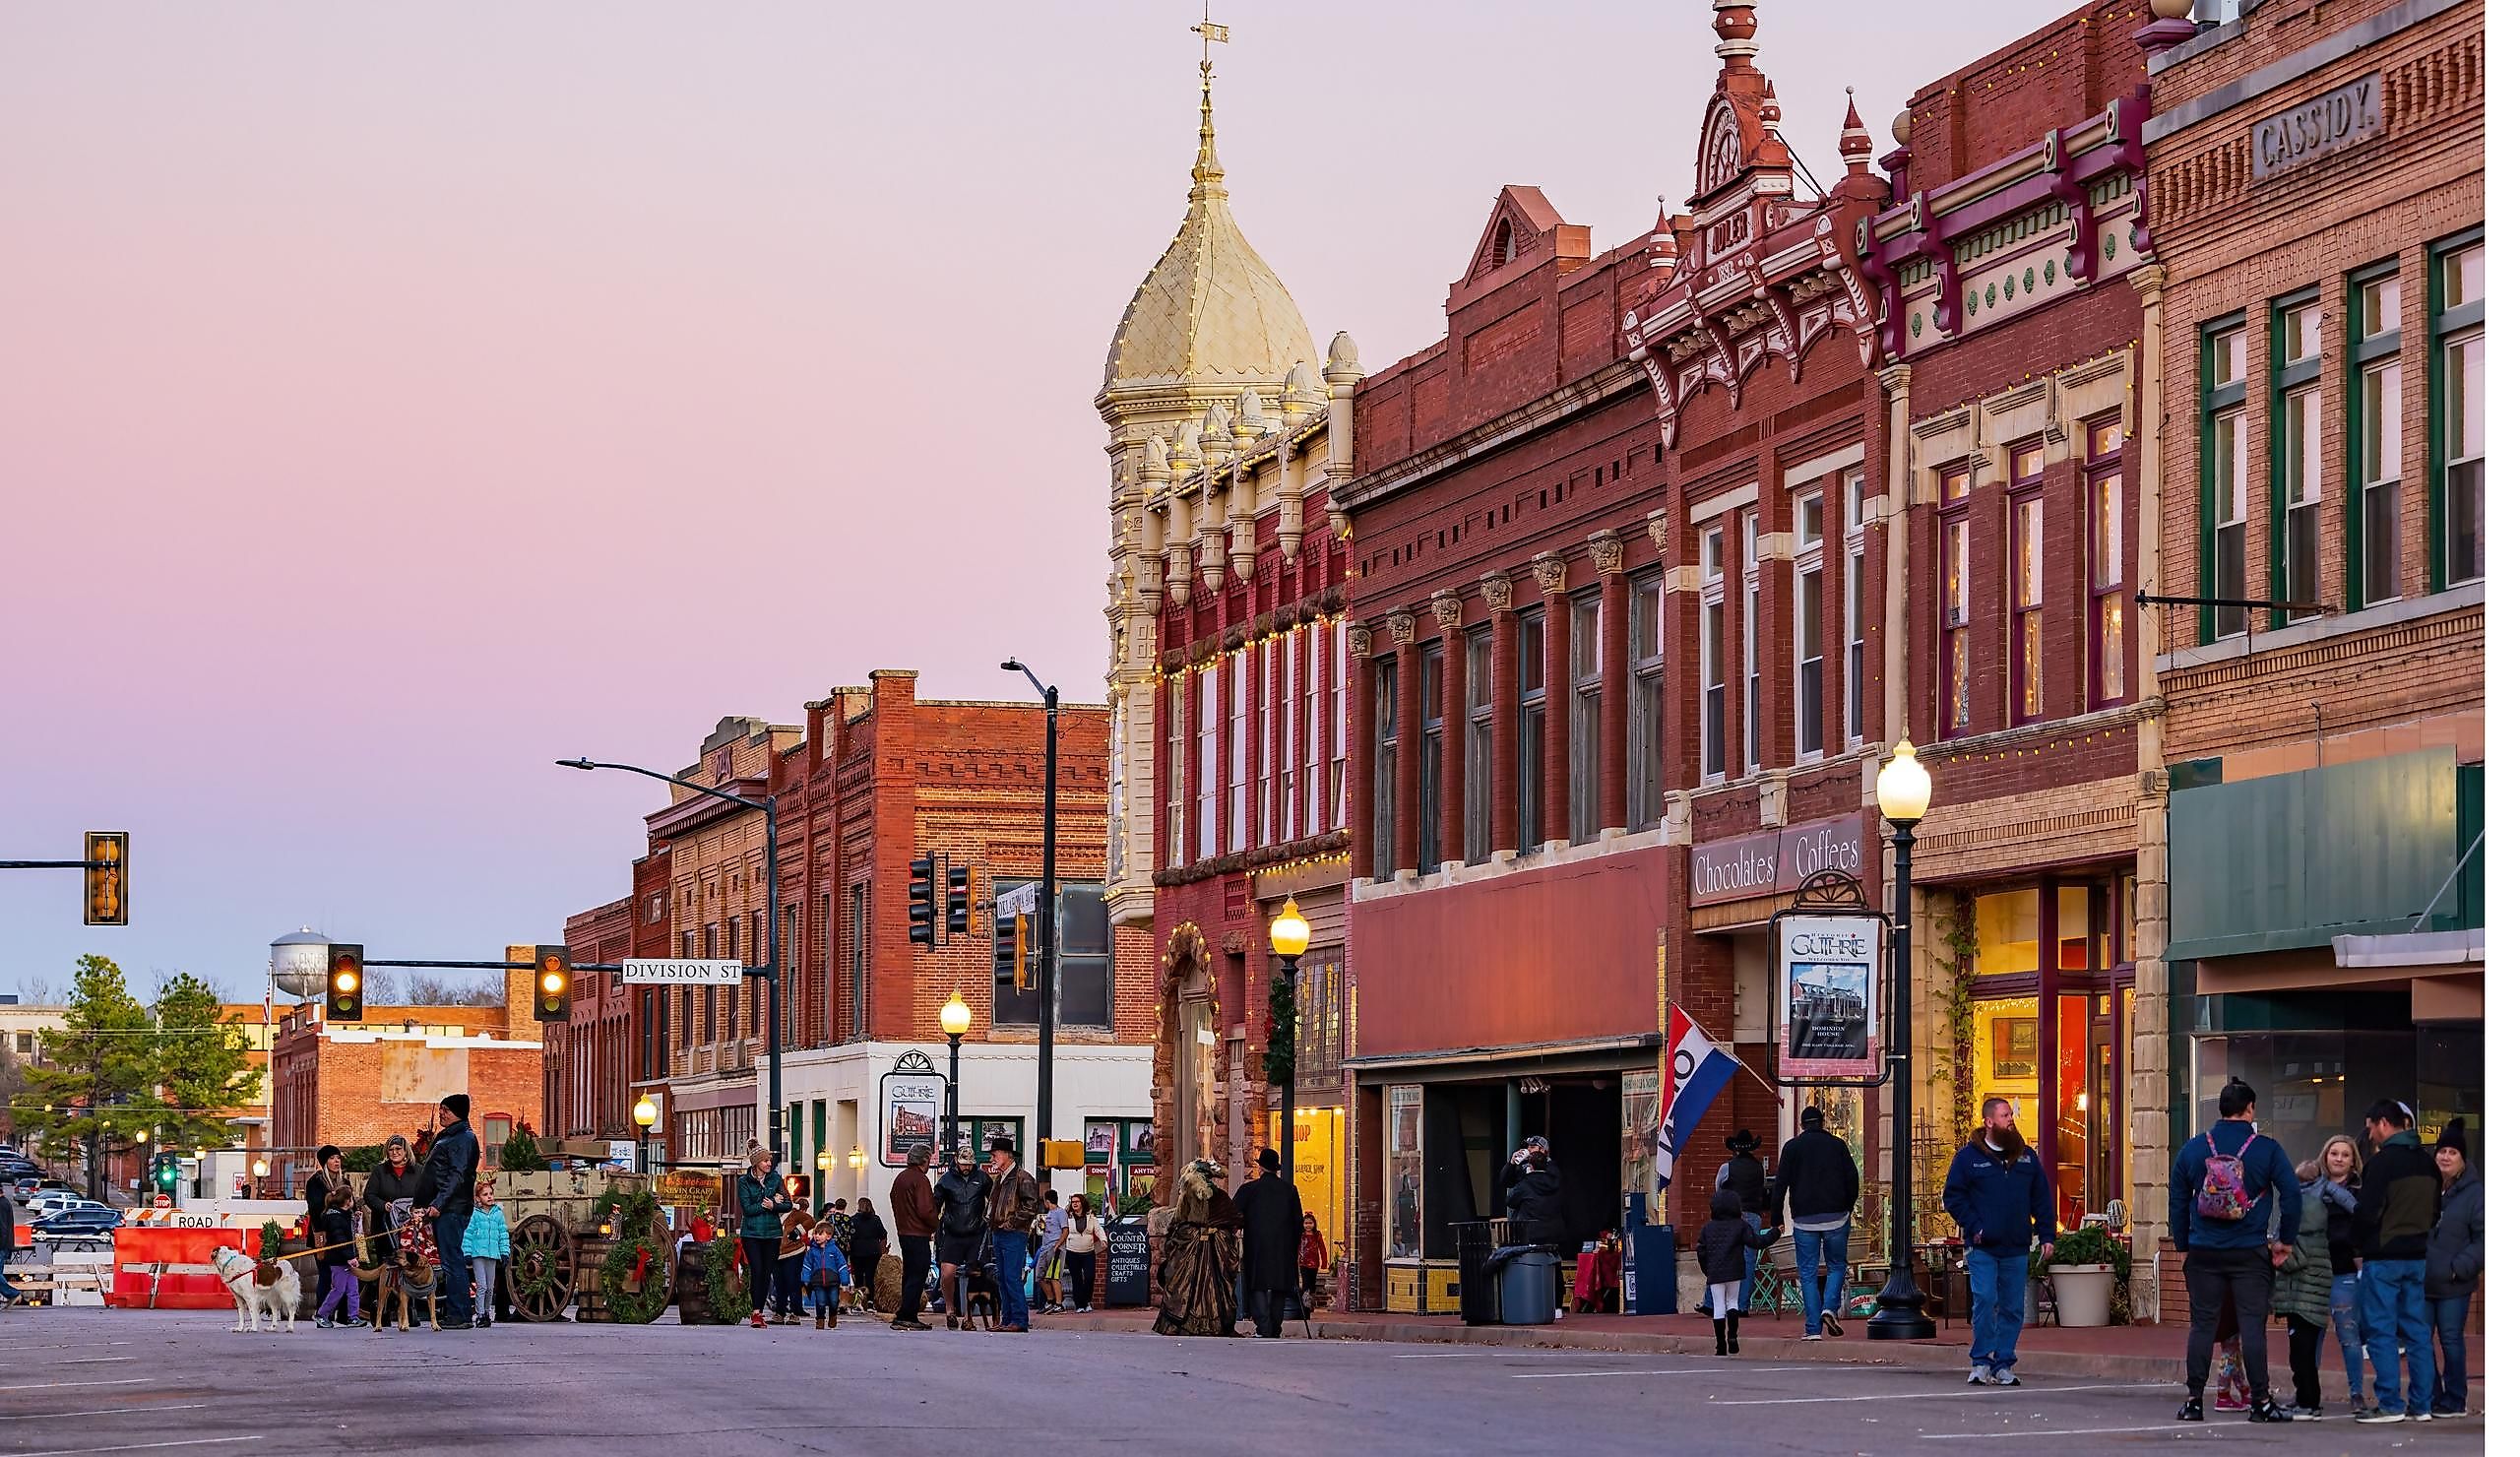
{"x": 691, "y": 1293}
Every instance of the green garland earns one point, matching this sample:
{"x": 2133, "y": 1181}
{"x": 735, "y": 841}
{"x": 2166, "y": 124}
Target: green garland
{"x": 271, "y": 1242}
{"x": 523, "y": 1285}
{"x": 729, "y": 1297}
{"x": 624, "y": 1305}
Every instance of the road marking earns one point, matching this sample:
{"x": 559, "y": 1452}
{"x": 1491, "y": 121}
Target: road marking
{"x": 1798, "y": 1401}
{"x": 1665, "y": 1371}
{"x": 97, "y": 1360}
{"x": 50, "y": 1385}
{"x": 2020, "y": 1432}
{"x": 142, "y": 1446}
{"x": 190, "y": 1406}
{"x": 1454, "y": 1355}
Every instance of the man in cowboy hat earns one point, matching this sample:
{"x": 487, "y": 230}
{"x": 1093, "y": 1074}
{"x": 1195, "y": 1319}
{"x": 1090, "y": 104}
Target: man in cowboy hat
{"x": 1744, "y": 1174}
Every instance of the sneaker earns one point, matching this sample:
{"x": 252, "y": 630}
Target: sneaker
{"x": 2308, "y": 1414}
{"x": 2459, "y": 1415}
{"x": 2224, "y": 1400}
{"x": 2005, "y": 1377}
{"x": 1979, "y": 1375}
{"x": 2374, "y": 1417}
{"x": 1829, "y": 1320}
{"x": 2267, "y": 1411}
{"x": 480, "y": 1322}
{"x": 323, "y": 1324}
{"x": 2193, "y": 1409}
{"x": 1812, "y": 1336}
{"x": 2418, "y": 1415}
{"x": 1083, "y": 1309}
{"x": 758, "y": 1322}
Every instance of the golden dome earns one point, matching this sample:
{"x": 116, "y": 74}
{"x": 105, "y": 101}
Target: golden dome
{"x": 1211, "y": 314}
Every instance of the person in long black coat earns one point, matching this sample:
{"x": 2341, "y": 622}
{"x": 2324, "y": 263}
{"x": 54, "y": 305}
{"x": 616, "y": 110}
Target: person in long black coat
{"x": 396, "y": 1178}
{"x": 1271, "y": 1233}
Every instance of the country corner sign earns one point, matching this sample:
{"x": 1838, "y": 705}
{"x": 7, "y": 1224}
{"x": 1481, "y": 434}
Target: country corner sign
{"x": 1829, "y": 996}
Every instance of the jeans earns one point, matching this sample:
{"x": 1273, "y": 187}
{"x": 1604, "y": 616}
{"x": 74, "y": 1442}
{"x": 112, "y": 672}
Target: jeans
{"x": 1810, "y": 1247}
{"x": 456, "y": 1303}
{"x": 340, "y": 1292}
{"x": 826, "y": 1301}
{"x": 2345, "y": 1318}
{"x": 915, "y": 1251}
{"x": 1080, "y": 1278}
{"x": 2450, "y": 1328}
{"x": 1011, "y": 1254}
{"x": 788, "y": 1284}
{"x": 2395, "y": 1317}
{"x": 761, "y": 1262}
{"x": 1998, "y": 1286}
{"x": 2245, "y": 1277}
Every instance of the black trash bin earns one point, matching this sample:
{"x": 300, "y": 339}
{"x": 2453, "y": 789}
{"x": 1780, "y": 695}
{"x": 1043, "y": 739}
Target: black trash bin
{"x": 1475, "y": 1241}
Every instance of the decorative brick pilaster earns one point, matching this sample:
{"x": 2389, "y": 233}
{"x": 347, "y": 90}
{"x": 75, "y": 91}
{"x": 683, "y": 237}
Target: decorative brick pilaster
{"x": 1361, "y": 746}
{"x": 1504, "y": 644}
{"x": 1549, "y": 569}
{"x": 1611, "y": 782}
{"x": 1456, "y": 702}
{"x": 1403, "y": 625}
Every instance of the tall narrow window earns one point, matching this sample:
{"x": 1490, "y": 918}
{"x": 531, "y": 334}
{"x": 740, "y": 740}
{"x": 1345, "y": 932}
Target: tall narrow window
{"x": 1644, "y": 700}
{"x": 1712, "y": 647}
{"x": 2226, "y": 474}
{"x": 1852, "y": 589}
{"x": 2297, "y": 455}
{"x": 1237, "y": 762}
{"x": 1264, "y": 673}
{"x": 2107, "y": 573}
{"x": 2459, "y": 411}
{"x": 1811, "y": 622}
{"x": 1337, "y": 727}
{"x": 1479, "y": 747}
{"x": 1204, "y": 741}
{"x": 857, "y": 988}
{"x": 2374, "y": 422}
{"x": 1292, "y": 662}
{"x": 1530, "y": 727}
{"x": 1430, "y": 758}
{"x": 1584, "y": 734}
{"x": 1177, "y": 786}
{"x": 1952, "y": 521}
{"x": 1386, "y": 693}
{"x": 1750, "y": 654}
{"x": 2029, "y": 583}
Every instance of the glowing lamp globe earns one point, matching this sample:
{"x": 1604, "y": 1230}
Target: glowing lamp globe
{"x": 1289, "y": 934}
{"x": 1904, "y": 788}
{"x": 954, "y": 1016}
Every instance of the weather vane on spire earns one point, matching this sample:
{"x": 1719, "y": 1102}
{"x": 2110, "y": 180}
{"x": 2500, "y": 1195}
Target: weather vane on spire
{"x": 1210, "y": 34}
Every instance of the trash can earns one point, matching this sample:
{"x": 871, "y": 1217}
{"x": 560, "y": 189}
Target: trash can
{"x": 1476, "y": 1242}
{"x": 1528, "y": 1293}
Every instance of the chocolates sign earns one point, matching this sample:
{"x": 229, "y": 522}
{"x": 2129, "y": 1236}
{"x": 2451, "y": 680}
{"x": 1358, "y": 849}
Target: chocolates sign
{"x": 2326, "y": 123}
{"x": 1773, "y": 862}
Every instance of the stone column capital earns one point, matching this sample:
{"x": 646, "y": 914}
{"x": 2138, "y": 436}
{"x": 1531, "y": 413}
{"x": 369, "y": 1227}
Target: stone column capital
{"x": 1608, "y": 552}
{"x": 1498, "y": 589}
{"x": 1448, "y": 610}
{"x": 1402, "y": 624}
{"x": 1361, "y": 639}
{"x": 1550, "y": 570}
{"x": 1658, "y": 525}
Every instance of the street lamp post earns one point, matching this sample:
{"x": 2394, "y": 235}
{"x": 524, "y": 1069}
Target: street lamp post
{"x": 1289, "y": 935}
{"x": 768, "y": 807}
{"x": 644, "y": 1114}
{"x": 955, "y": 1017}
{"x": 1903, "y": 791}
{"x": 1048, "y": 941}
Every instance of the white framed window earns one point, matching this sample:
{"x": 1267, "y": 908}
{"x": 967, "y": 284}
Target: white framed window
{"x": 2459, "y": 410}
{"x": 1336, "y": 727}
{"x": 2227, "y": 472}
{"x": 1584, "y": 737}
{"x": 2375, "y": 422}
{"x": 1751, "y": 704}
{"x": 1810, "y": 623}
{"x": 1478, "y": 745}
{"x": 1291, "y": 760}
{"x": 1851, "y": 588}
{"x": 1264, "y": 670}
{"x": 1175, "y": 777}
{"x": 1645, "y": 701}
{"x": 1203, "y": 738}
{"x": 2298, "y": 457}
{"x": 1712, "y": 646}
{"x": 1237, "y": 764}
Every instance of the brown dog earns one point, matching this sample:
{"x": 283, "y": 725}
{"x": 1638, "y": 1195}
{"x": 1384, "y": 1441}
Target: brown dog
{"x": 398, "y": 1282}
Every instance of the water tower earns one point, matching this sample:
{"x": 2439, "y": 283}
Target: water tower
{"x": 297, "y": 963}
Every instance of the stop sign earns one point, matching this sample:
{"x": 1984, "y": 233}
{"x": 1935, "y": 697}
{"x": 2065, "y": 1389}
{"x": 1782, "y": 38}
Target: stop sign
{"x": 163, "y": 1201}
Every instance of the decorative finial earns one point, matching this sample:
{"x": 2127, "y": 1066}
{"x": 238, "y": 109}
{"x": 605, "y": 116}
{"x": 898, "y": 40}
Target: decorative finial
{"x": 1207, "y": 172}
{"x": 1854, "y": 144}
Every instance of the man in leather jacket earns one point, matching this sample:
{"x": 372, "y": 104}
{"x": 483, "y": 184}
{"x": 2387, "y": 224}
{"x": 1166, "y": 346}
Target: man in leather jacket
{"x": 962, "y": 1227}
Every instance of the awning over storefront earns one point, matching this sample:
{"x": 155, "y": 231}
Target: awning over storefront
{"x": 1589, "y": 1055}
{"x": 2413, "y": 949}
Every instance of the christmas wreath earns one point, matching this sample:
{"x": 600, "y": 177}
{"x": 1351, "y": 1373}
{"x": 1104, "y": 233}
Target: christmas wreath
{"x": 531, "y": 1274}
{"x": 267, "y": 1257}
{"x": 634, "y": 1256}
{"x": 729, "y": 1299}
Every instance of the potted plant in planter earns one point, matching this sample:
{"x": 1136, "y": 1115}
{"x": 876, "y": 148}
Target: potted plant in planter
{"x": 2086, "y": 1271}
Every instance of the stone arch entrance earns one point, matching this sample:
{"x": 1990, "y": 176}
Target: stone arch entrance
{"x": 1187, "y": 1108}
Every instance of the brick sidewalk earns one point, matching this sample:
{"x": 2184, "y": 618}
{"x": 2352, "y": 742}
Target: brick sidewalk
{"x": 2136, "y": 1353}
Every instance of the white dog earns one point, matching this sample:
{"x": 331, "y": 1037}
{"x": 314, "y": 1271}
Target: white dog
{"x": 236, "y": 1270}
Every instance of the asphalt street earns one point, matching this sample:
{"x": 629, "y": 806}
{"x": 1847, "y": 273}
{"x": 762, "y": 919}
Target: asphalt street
{"x": 79, "y": 1381}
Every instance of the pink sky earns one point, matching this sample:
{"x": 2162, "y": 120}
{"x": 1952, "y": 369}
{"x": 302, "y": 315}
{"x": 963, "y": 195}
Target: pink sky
{"x": 395, "y": 399}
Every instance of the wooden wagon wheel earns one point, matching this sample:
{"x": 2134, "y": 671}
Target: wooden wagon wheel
{"x": 542, "y": 1269}
{"x": 656, "y": 1286}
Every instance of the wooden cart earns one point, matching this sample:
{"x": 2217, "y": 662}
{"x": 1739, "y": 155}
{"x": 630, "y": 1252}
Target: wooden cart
{"x": 560, "y": 1245}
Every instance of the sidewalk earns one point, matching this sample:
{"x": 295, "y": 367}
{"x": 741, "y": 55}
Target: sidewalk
{"x": 2130, "y": 1353}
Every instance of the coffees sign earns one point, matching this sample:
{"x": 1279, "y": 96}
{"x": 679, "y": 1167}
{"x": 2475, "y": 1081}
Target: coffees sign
{"x": 2326, "y": 123}
{"x": 1773, "y": 862}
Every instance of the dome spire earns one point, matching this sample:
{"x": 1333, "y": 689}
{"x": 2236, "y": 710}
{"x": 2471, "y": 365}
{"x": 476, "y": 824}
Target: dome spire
{"x": 1207, "y": 174}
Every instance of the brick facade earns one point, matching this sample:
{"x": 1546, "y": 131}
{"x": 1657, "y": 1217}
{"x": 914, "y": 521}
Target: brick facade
{"x": 352, "y": 1084}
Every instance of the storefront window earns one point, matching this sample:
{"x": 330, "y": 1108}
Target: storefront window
{"x": 2008, "y": 932}
{"x": 1640, "y": 1120}
{"x": 1406, "y": 1174}
{"x": 2007, "y": 1062}
{"x": 2308, "y": 1084}
{"x": 2074, "y": 929}
{"x": 2071, "y": 1160}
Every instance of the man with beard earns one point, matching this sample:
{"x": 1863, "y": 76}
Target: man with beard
{"x": 1999, "y": 1194}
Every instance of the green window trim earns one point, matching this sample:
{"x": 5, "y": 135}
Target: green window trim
{"x": 2442, "y": 323}
{"x": 2363, "y": 348}
{"x": 2279, "y": 481}
{"x": 2212, "y": 400}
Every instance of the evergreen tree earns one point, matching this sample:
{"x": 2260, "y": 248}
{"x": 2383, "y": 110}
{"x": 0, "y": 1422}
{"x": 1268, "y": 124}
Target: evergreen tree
{"x": 80, "y": 1095}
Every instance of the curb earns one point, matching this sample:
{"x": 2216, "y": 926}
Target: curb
{"x": 1842, "y": 1351}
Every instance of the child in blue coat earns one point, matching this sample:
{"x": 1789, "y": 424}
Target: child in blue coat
{"x": 826, "y": 1272}
{"x": 485, "y": 1243}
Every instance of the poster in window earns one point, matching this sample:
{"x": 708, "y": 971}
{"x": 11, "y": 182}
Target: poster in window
{"x": 1830, "y": 1004}
{"x": 1100, "y": 1140}
{"x": 1142, "y": 1139}
{"x": 2016, "y": 1050}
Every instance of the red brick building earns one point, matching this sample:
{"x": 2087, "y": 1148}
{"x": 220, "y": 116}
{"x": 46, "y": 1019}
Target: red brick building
{"x": 2018, "y": 294}
{"x": 1505, "y": 638}
{"x": 1761, "y": 347}
{"x": 2318, "y": 199}
{"x": 589, "y": 1063}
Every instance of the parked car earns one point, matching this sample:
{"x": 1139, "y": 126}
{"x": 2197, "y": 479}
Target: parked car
{"x": 48, "y": 1202}
{"x": 91, "y": 1225}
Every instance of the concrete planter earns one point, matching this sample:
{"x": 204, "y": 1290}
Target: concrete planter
{"x": 2082, "y": 1294}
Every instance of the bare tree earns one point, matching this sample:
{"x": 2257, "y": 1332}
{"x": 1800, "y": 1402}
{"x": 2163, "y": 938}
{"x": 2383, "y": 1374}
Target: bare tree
{"x": 428, "y": 990}
{"x": 39, "y": 991}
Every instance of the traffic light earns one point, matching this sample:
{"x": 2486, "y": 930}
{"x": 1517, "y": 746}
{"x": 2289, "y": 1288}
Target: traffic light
{"x": 922, "y": 900}
{"x": 1006, "y": 971}
{"x": 958, "y": 902}
{"x": 1019, "y": 948}
{"x": 346, "y": 984}
{"x": 166, "y": 1171}
{"x": 108, "y": 868}
{"x": 550, "y": 983}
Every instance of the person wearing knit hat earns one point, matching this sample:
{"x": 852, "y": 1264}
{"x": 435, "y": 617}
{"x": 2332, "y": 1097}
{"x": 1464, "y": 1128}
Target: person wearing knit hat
{"x": 329, "y": 1176}
{"x": 2453, "y": 1258}
{"x": 447, "y": 1184}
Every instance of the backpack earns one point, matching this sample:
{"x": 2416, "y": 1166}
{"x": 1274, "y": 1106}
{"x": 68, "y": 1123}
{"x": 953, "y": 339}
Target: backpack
{"x": 2223, "y": 1194}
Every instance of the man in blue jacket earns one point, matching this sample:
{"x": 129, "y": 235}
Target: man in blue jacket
{"x": 2223, "y": 1231}
{"x": 1999, "y": 1194}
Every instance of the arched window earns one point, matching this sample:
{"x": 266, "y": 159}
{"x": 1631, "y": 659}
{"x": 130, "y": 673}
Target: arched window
{"x": 1501, "y": 251}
